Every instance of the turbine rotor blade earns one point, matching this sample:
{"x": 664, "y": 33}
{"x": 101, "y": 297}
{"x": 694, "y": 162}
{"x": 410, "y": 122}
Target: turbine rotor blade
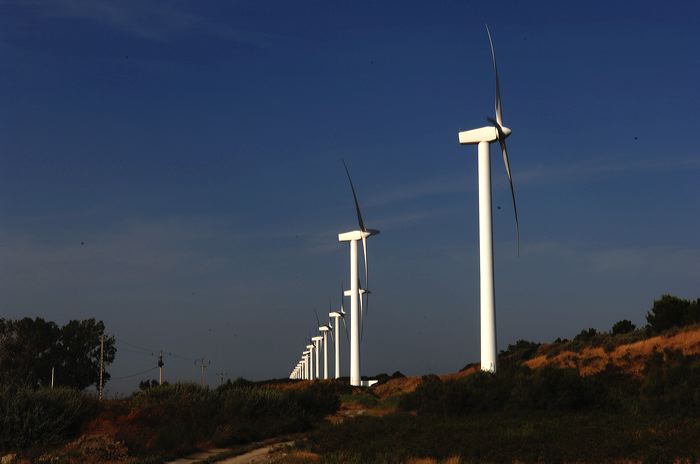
{"x": 360, "y": 222}
{"x": 499, "y": 109}
{"x": 364, "y": 251}
{"x": 347, "y": 336}
{"x": 502, "y": 142}
{"x": 506, "y": 162}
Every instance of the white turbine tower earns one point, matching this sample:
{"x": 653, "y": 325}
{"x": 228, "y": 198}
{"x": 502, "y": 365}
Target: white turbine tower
{"x": 317, "y": 340}
{"x": 483, "y": 137}
{"x": 324, "y": 329}
{"x": 336, "y": 316}
{"x": 353, "y": 237}
{"x": 311, "y": 361}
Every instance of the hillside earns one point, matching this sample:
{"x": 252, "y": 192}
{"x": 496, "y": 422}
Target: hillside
{"x": 630, "y": 357}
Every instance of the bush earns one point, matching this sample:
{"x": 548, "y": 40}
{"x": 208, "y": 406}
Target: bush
{"x": 171, "y": 420}
{"x": 30, "y": 417}
{"x": 670, "y": 311}
{"x": 671, "y": 384}
{"x": 522, "y": 350}
{"x": 586, "y": 335}
{"x": 622, "y": 327}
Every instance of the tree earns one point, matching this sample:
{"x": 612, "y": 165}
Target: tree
{"x": 670, "y": 311}
{"x": 622, "y": 327}
{"x": 28, "y": 351}
{"x": 29, "y": 348}
{"x": 585, "y": 335}
{"x": 80, "y": 353}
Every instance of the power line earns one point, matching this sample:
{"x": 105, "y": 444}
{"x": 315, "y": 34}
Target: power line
{"x": 152, "y": 351}
{"x": 134, "y": 375}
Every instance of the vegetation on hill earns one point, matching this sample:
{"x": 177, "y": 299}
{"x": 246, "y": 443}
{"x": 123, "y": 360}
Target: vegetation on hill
{"x": 544, "y": 415}
{"x": 547, "y": 403}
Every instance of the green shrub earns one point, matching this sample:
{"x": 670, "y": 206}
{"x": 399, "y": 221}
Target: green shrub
{"x": 171, "y": 420}
{"x": 521, "y": 351}
{"x": 622, "y": 327}
{"x": 671, "y": 384}
{"x": 30, "y": 417}
{"x": 670, "y": 311}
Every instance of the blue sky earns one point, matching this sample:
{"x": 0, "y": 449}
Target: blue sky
{"x": 195, "y": 150}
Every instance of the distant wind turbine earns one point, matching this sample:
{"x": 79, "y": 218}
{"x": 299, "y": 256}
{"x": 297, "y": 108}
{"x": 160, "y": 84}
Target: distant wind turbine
{"x": 317, "y": 340}
{"x": 483, "y": 137}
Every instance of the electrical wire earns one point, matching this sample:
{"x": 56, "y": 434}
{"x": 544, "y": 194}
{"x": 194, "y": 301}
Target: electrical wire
{"x": 152, "y": 351}
{"x": 134, "y": 375}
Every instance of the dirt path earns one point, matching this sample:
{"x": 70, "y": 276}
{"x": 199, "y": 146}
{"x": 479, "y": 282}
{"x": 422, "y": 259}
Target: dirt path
{"x": 263, "y": 454}
{"x": 260, "y": 455}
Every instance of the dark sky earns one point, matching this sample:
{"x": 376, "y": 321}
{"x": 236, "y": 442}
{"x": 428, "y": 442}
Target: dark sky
{"x": 173, "y": 168}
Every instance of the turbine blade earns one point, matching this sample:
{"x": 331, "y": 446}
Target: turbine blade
{"x": 499, "y": 110}
{"x": 347, "y": 336}
{"x": 354, "y": 195}
{"x": 502, "y": 142}
{"x": 342, "y": 299}
{"x": 318, "y": 323}
{"x": 364, "y": 251}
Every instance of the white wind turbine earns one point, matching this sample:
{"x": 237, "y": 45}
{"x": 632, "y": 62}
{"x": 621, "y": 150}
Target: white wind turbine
{"x": 310, "y": 362}
{"x": 325, "y": 330}
{"x": 317, "y": 340}
{"x": 336, "y": 316}
{"x": 483, "y": 137}
{"x": 353, "y": 237}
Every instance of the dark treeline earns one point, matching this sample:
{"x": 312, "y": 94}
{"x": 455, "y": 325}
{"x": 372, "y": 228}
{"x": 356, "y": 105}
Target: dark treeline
{"x": 30, "y": 348}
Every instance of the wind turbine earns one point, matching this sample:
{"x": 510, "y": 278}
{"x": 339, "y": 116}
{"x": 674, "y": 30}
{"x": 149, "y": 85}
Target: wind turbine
{"x": 483, "y": 137}
{"x": 336, "y": 316}
{"x": 317, "y": 340}
{"x": 311, "y": 360}
{"x": 353, "y": 237}
{"x": 324, "y": 329}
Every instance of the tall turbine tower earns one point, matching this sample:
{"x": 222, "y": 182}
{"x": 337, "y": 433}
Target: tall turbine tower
{"x": 311, "y": 361}
{"x": 353, "y": 237}
{"x": 324, "y": 329}
{"x": 335, "y": 315}
{"x": 483, "y": 137}
{"x": 317, "y": 341}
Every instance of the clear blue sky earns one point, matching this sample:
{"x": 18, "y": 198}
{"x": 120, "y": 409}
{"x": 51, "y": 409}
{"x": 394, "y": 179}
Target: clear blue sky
{"x": 194, "y": 148}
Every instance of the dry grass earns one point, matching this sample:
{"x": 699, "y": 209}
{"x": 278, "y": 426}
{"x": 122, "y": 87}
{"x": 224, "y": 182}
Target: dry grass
{"x": 396, "y": 386}
{"x": 630, "y": 357}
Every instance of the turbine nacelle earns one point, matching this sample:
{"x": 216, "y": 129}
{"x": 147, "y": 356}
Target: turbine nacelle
{"x": 324, "y": 328}
{"x": 357, "y": 235}
{"x": 317, "y": 338}
{"x": 482, "y": 134}
{"x": 335, "y": 314}
{"x": 362, "y": 292}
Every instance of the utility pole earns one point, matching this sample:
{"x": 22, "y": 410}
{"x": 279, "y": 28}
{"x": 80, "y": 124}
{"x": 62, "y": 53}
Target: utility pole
{"x": 102, "y": 364}
{"x": 160, "y": 368}
{"x": 52, "y": 376}
{"x": 203, "y": 364}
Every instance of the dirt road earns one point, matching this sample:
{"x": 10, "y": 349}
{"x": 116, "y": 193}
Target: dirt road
{"x": 260, "y": 455}
{"x": 264, "y": 454}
